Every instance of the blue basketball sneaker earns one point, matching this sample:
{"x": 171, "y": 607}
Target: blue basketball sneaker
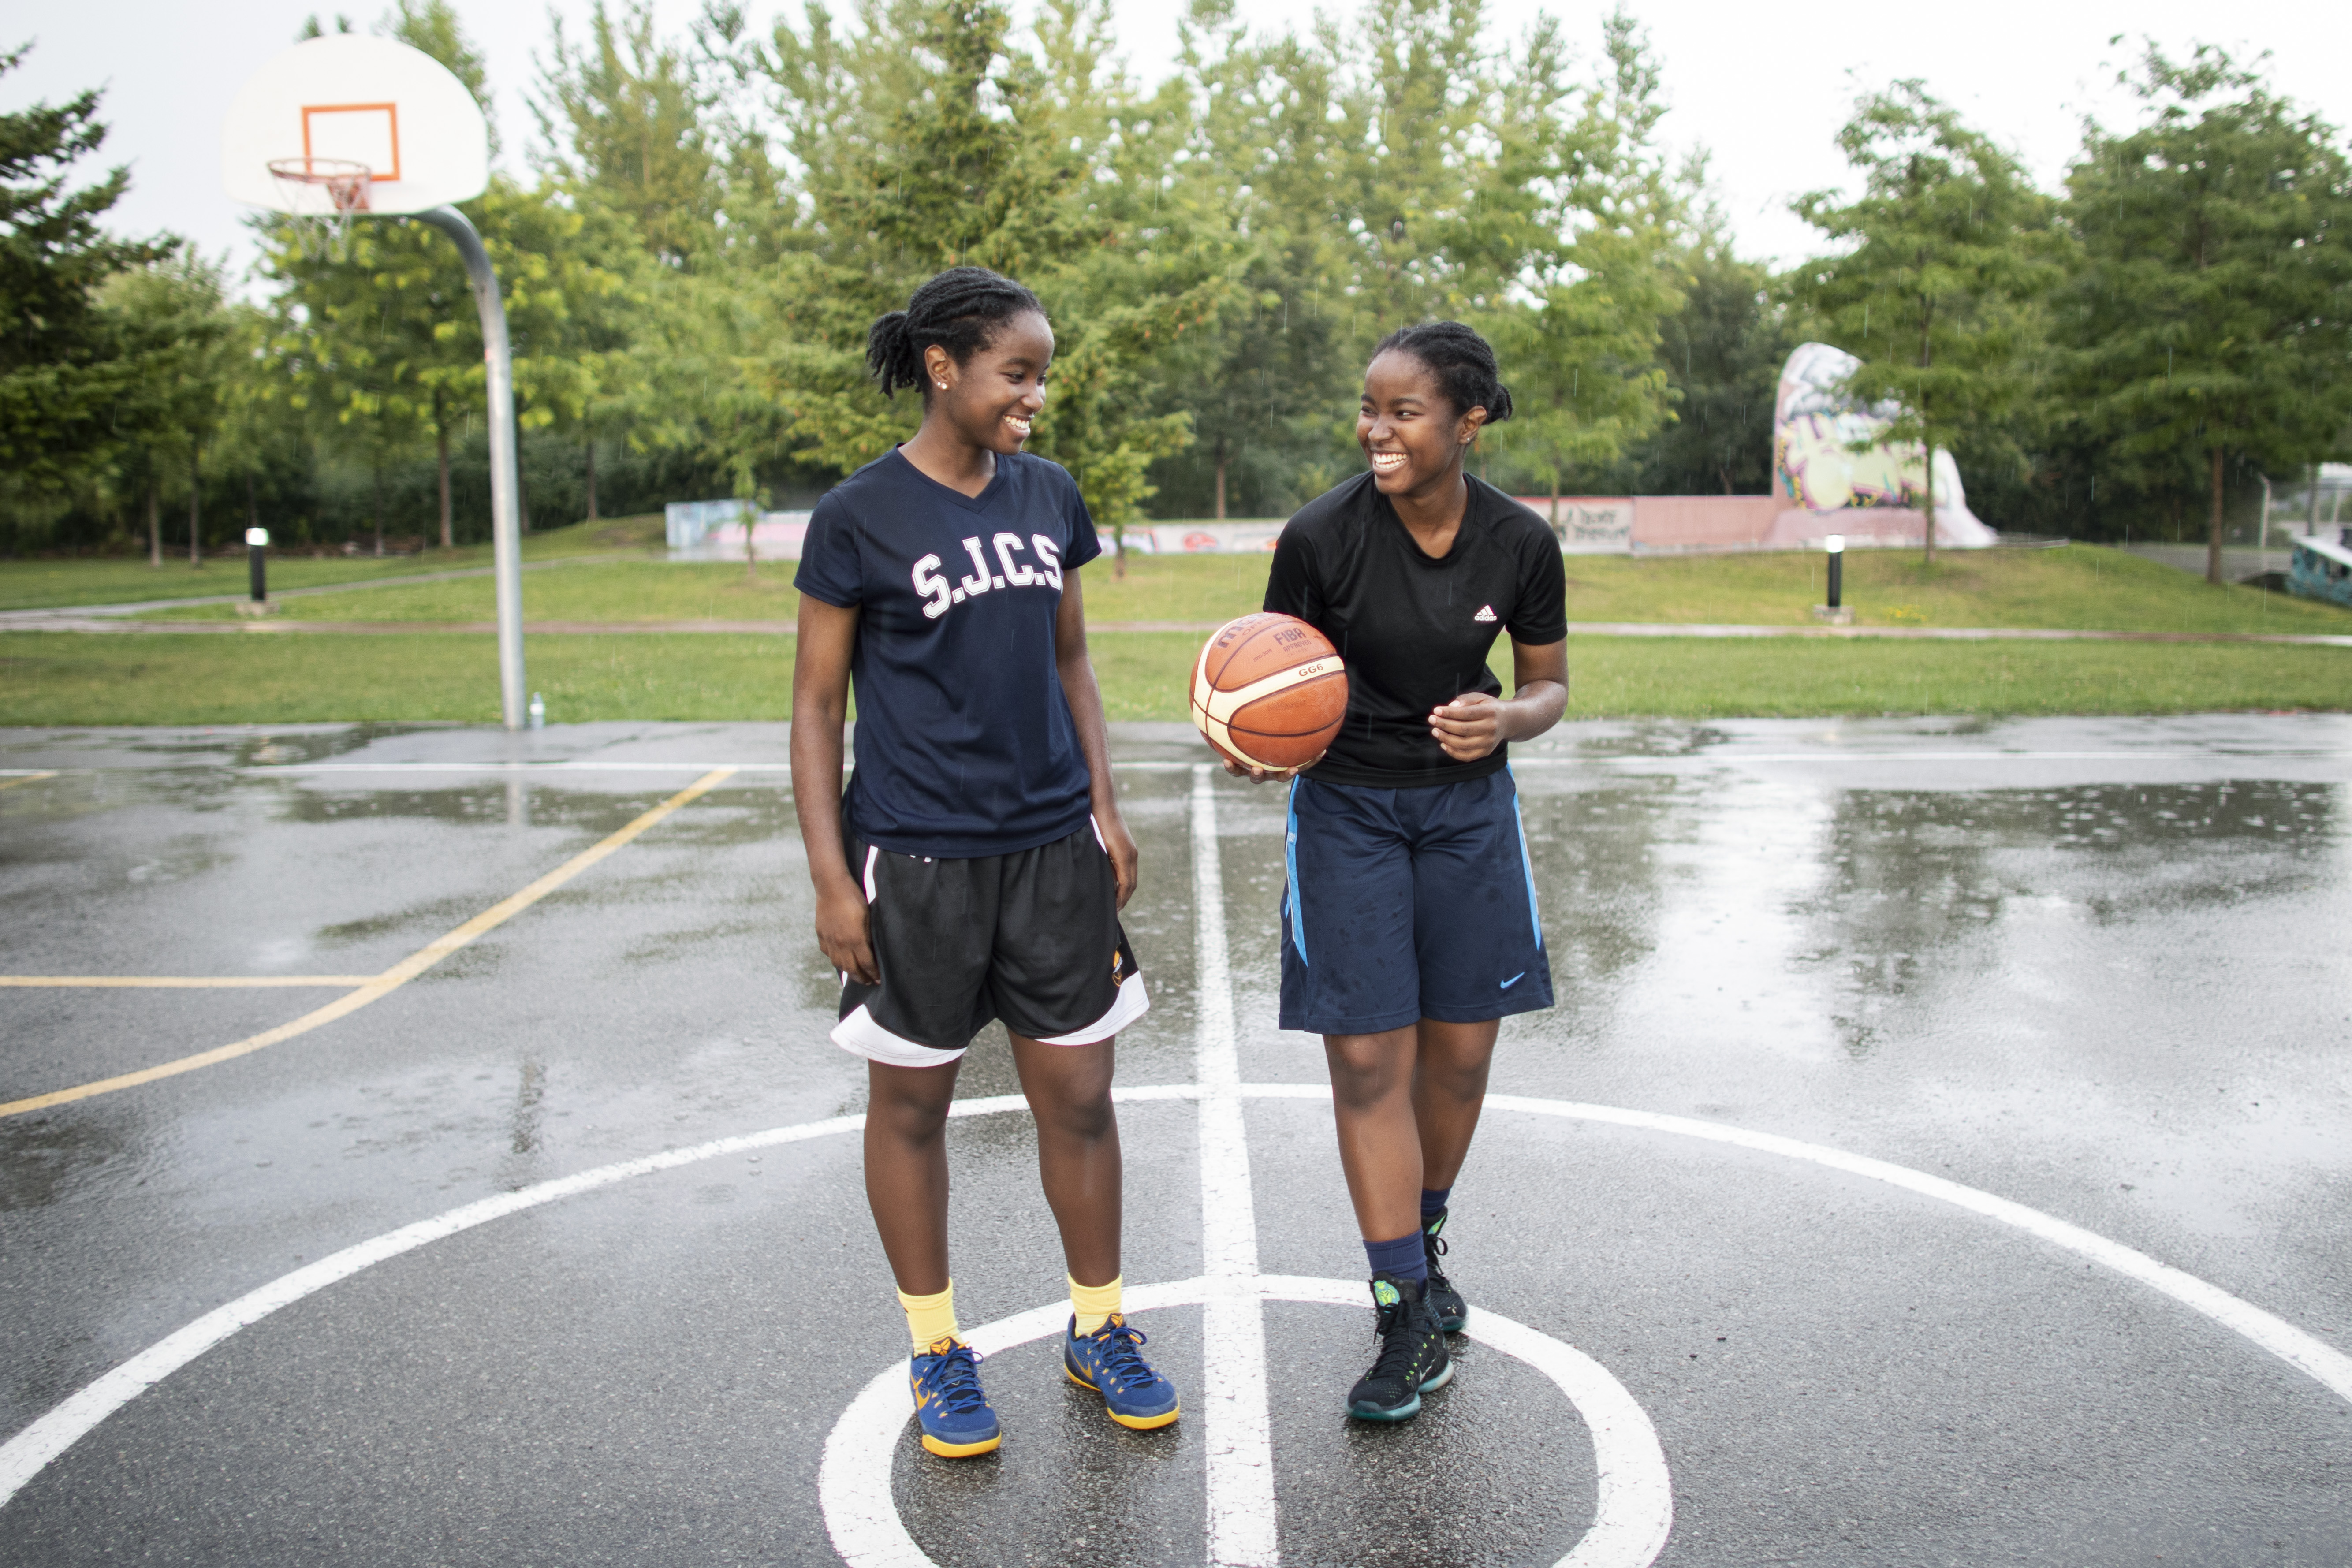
{"x": 956, "y": 1420}
{"x": 1111, "y": 1361}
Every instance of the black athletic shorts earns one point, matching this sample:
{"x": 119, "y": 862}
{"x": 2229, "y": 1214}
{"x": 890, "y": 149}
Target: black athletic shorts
{"x": 1031, "y": 938}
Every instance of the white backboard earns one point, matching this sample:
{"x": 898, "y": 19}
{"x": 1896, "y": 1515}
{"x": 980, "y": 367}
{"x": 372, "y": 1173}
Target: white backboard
{"x": 352, "y": 99}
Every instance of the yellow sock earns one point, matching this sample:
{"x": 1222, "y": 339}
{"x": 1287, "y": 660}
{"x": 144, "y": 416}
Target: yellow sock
{"x": 929, "y": 1319}
{"x": 1094, "y": 1304}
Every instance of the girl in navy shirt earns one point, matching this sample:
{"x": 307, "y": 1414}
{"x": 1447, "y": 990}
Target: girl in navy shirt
{"x": 977, "y": 864}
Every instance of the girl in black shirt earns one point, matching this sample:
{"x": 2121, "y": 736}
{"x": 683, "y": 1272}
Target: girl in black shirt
{"x": 1409, "y": 924}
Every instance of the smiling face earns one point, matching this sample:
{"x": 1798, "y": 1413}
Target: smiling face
{"x": 989, "y": 400}
{"x": 1408, "y": 430}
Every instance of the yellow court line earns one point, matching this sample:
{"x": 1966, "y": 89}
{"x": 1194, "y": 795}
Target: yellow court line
{"x": 391, "y": 979}
{"x": 186, "y": 982}
{"x": 25, "y": 778}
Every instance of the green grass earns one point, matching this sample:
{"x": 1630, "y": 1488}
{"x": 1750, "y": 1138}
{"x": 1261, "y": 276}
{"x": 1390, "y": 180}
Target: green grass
{"x": 2076, "y": 587}
{"x": 117, "y": 580}
{"x": 97, "y": 678}
{"x": 1188, "y": 588}
{"x": 61, "y": 678}
{"x": 1694, "y": 679}
{"x": 590, "y": 591}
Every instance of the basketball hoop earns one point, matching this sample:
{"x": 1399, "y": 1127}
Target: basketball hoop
{"x": 348, "y": 123}
{"x": 320, "y": 194}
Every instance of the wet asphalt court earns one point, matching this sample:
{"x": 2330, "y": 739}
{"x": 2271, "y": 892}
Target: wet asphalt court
{"x": 2091, "y": 968}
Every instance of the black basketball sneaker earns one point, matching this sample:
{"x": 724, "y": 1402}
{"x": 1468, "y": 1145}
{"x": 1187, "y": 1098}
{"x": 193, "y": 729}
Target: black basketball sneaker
{"x": 1413, "y": 1359}
{"x": 1445, "y": 1303}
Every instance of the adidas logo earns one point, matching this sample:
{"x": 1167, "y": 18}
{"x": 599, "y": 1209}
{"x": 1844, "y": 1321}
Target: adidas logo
{"x": 1486, "y": 613}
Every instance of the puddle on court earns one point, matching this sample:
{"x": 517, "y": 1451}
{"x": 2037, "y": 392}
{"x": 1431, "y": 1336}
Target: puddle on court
{"x": 46, "y": 1157}
{"x": 1912, "y": 880}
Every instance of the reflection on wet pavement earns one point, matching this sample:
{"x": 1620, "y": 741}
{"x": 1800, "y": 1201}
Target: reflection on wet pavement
{"x": 1907, "y": 876}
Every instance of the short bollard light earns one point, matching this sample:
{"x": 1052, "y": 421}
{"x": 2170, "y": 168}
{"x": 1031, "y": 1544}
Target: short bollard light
{"x": 1835, "y": 612}
{"x": 256, "y": 572}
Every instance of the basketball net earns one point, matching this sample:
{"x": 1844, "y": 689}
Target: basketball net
{"x": 325, "y": 234}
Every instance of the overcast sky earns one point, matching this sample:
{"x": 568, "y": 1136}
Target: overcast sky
{"x": 1763, "y": 86}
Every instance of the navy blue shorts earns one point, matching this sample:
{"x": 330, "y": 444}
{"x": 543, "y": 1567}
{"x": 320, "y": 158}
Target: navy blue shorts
{"x": 1404, "y": 904}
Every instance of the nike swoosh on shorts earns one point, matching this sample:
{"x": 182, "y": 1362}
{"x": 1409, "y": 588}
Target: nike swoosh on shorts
{"x": 1514, "y": 980}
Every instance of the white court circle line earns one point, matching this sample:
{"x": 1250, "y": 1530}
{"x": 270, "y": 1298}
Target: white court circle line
{"x": 24, "y": 1455}
{"x": 1633, "y": 1512}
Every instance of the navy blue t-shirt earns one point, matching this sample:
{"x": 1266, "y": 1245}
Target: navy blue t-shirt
{"x": 965, "y": 744}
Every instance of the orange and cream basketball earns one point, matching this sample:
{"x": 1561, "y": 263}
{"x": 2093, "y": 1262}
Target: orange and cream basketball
{"x": 1269, "y": 691}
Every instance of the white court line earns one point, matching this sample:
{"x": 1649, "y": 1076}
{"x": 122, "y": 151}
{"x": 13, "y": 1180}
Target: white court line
{"x": 1239, "y": 1440}
{"x": 24, "y": 1455}
{"x": 1633, "y": 1511}
{"x": 2298, "y": 1348}
{"x": 853, "y": 1479}
{"x": 1632, "y": 1515}
{"x": 2305, "y": 1352}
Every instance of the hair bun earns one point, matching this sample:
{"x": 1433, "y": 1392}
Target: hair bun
{"x": 1501, "y": 409}
{"x": 890, "y": 353}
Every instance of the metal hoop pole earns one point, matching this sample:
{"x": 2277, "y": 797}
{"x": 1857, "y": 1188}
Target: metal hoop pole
{"x": 505, "y": 528}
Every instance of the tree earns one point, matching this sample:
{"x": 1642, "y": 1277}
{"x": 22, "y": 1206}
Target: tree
{"x": 1722, "y": 353}
{"x": 1417, "y": 143}
{"x": 357, "y": 326}
{"x": 1580, "y": 342}
{"x": 1260, "y": 139}
{"x": 432, "y": 27}
{"x": 1402, "y": 167}
{"x": 445, "y": 371}
{"x": 1951, "y": 248}
{"x": 928, "y": 137}
{"x": 2214, "y": 310}
{"x": 181, "y": 347}
{"x": 625, "y": 112}
{"x": 63, "y": 365}
{"x": 1143, "y": 273}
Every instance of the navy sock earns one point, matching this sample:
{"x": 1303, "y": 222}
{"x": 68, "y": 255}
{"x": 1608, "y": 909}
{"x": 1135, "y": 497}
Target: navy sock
{"x": 1432, "y": 1201}
{"x": 1405, "y": 1256}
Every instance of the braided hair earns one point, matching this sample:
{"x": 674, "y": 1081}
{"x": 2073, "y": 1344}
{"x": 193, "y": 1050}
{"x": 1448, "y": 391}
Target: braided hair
{"x": 960, "y": 311}
{"x": 1463, "y": 362}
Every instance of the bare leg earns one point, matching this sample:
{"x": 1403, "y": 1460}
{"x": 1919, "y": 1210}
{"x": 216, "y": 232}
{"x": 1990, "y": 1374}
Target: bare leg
{"x": 1407, "y": 1102}
{"x": 907, "y": 1169}
{"x": 1077, "y": 1148}
{"x": 1449, "y": 1088}
{"x": 1380, "y": 1145}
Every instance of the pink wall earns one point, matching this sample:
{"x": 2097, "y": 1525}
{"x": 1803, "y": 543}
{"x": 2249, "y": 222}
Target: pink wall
{"x": 1687, "y": 522}
{"x": 1667, "y": 522}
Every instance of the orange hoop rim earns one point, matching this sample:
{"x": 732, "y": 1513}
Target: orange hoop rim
{"x": 346, "y": 180}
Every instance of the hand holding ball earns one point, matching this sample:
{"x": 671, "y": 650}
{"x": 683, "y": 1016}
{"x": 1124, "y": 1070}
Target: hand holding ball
{"x": 1269, "y": 692}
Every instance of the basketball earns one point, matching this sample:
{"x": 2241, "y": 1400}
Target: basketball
{"x": 1269, "y": 691}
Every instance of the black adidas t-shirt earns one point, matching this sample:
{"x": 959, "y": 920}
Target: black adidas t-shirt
{"x": 965, "y": 742}
{"x": 1415, "y": 631}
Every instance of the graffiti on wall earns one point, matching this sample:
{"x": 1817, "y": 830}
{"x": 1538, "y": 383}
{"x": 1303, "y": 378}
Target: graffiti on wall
{"x": 1587, "y": 525}
{"x": 1829, "y": 454}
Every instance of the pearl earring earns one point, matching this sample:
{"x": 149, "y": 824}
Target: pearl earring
{"x": 941, "y": 384}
